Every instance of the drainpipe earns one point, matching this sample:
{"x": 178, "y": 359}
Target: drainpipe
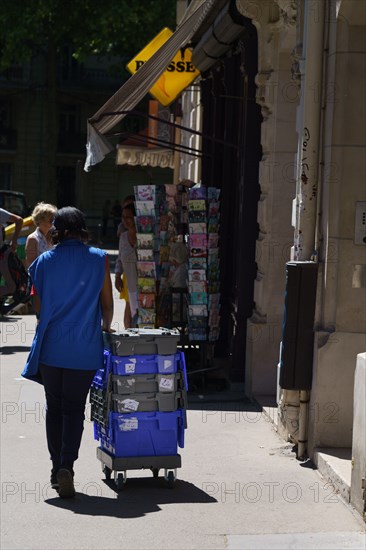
{"x": 307, "y": 181}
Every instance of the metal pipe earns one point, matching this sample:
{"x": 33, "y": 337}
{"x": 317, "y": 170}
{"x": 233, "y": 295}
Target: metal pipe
{"x": 306, "y": 221}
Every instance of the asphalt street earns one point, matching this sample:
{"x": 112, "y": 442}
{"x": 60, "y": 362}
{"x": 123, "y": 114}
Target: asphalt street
{"x": 240, "y": 485}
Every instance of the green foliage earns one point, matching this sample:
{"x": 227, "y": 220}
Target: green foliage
{"x": 99, "y": 27}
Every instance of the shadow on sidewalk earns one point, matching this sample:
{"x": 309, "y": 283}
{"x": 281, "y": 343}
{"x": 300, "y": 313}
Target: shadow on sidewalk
{"x": 141, "y": 496}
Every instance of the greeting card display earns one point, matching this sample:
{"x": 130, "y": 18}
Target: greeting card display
{"x": 203, "y": 265}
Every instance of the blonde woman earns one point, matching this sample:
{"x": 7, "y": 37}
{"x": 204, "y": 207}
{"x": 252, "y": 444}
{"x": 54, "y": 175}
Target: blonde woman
{"x": 39, "y": 241}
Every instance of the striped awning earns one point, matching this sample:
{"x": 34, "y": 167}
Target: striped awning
{"x": 138, "y": 85}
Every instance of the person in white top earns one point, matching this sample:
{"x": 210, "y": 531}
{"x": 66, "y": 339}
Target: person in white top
{"x": 5, "y": 217}
{"x": 127, "y": 259}
{"x": 39, "y": 241}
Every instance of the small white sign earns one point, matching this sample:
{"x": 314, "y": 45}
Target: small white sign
{"x": 130, "y": 404}
{"x": 130, "y": 368}
{"x": 129, "y": 424}
{"x": 166, "y": 384}
{"x": 167, "y": 363}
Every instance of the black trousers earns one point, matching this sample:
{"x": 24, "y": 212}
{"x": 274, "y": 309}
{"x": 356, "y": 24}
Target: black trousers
{"x": 66, "y": 392}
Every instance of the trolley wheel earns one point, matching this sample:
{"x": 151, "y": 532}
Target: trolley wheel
{"x": 120, "y": 482}
{"x": 171, "y": 479}
{"x": 107, "y": 472}
{"x": 155, "y": 472}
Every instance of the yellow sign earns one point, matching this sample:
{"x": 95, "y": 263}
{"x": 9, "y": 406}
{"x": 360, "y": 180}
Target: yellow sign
{"x": 178, "y": 75}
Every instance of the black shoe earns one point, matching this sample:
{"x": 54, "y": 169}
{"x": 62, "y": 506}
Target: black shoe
{"x": 65, "y": 480}
{"x": 53, "y": 480}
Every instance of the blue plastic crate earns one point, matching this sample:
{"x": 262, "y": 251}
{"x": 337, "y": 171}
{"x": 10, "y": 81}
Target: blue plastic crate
{"x": 143, "y": 434}
{"x": 143, "y": 364}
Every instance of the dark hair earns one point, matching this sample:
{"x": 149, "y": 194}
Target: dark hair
{"x": 130, "y": 207}
{"x": 69, "y": 223}
{"x": 129, "y": 199}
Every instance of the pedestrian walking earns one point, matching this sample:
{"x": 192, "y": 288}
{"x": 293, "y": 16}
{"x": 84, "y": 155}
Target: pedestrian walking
{"x": 75, "y": 303}
{"x": 40, "y": 240}
{"x": 123, "y": 293}
{"x": 126, "y": 263}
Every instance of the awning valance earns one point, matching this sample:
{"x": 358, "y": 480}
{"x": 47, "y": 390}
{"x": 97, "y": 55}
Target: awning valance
{"x": 138, "y": 85}
{"x": 142, "y": 156}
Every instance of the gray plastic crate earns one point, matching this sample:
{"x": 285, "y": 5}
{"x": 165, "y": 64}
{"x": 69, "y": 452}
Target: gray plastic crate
{"x": 142, "y": 341}
{"x": 146, "y": 383}
{"x": 147, "y": 402}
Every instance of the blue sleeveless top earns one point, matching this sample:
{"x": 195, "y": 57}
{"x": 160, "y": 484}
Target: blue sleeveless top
{"x": 68, "y": 280}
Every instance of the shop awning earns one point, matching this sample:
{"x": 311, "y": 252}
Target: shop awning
{"x": 138, "y": 85}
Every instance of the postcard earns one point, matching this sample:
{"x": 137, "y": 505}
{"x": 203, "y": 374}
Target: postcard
{"x": 146, "y": 316}
{"x": 199, "y": 240}
{"x": 146, "y": 301}
{"x": 145, "y": 192}
{"x": 213, "y": 287}
{"x": 213, "y": 193}
{"x": 213, "y": 272}
{"x": 199, "y": 227}
{"x": 214, "y": 318}
{"x": 145, "y": 255}
{"x": 213, "y": 208}
{"x": 197, "y": 286}
{"x": 146, "y": 269}
{"x": 214, "y": 300}
{"x": 197, "y": 205}
{"x": 213, "y": 255}
{"x": 197, "y": 322}
{"x": 197, "y": 334}
{"x": 145, "y": 224}
{"x": 195, "y": 193}
{"x": 146, "y": 285}
{"x": 198, "y": 252}
{"x": 197, "y": 311}
{"x": 213, "y": 227}
{"x": 213, "y": 240}
{"x": 197, "y": 263}
{"x": 197, "y": 275}
{"x": 145, "y": 208}
{"x": 197, "y": 298}
{"x": 145, "y": 241}
{"x": 196, "y": 216}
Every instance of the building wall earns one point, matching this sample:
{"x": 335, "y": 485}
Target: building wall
{"x": 342, "y": 295}
{"x": 278, "y": 96}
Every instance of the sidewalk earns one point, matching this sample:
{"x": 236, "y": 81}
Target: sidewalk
{"x": 240, "y": 485}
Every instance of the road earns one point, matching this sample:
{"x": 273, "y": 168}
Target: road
{"x": 240, "y": 485}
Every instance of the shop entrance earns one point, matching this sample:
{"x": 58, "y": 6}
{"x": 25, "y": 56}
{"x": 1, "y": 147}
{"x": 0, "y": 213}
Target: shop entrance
{"x": 232, "y": 115}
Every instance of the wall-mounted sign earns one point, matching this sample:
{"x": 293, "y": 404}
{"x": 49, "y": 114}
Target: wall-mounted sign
{"x": 178, "y": 75}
